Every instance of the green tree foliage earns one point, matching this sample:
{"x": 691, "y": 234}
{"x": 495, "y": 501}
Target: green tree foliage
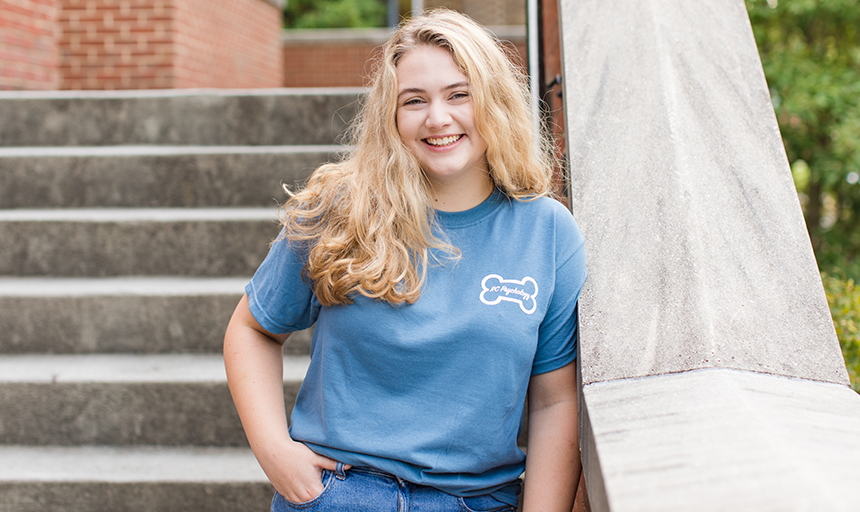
{"x": 335, "y": 13}
{"x": 810, "y": 51}
{"x": 843, "y": 296}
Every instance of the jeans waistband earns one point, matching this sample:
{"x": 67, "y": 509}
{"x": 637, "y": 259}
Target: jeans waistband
{"x": 515, "y": 487}
{"x": 374, "y": 471}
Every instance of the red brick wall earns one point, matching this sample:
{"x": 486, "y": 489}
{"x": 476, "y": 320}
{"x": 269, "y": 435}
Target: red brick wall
{"x": 228, "y": 43}
{"x": 340, "y": 58}
{"x": 156, "y": 44}
{"x": 552, "y": 68}
{"x": 28, "y": 51}
{"x": 116, "y": 44}
{"x": 335, "y": 63}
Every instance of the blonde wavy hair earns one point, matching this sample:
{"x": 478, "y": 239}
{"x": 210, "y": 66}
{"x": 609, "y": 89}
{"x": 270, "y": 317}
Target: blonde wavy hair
{"x": 367, "y": 221}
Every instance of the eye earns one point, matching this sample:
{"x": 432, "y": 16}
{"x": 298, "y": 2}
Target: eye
{"x": 459, "y": 95}
{"x": 413, "y": 101}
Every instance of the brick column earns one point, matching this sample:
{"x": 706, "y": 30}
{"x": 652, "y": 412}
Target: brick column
{"x": 157, "y": 44}
{"x": 116, "y": 44}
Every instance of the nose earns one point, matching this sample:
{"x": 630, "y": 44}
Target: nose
{"x": 438, "y": 115}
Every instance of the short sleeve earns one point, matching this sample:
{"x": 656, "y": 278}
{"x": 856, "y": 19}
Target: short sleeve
{"x": 558, "y": 331}
{"x": 279, "y": 298}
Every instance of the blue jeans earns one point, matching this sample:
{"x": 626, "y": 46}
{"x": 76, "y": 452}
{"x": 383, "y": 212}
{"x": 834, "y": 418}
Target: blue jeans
{"x": 363, "y": 489}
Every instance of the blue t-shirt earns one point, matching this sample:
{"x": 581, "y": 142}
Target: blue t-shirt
{"x": 433, "y": 392}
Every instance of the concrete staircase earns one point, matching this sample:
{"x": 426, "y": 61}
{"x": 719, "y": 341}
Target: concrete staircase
{"x": 129, "y": 224}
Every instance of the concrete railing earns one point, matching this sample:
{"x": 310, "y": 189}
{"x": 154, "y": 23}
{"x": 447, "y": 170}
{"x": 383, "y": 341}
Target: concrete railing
{"x": 711, "y": 376}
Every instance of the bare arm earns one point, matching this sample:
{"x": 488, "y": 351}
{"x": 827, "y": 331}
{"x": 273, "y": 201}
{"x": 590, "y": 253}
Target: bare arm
{"x": 254, "y": 358}
{"x": 553, "y": 465}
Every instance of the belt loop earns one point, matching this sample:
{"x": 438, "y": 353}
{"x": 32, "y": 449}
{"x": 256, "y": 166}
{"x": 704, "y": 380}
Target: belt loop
{"x": 339, "y": 472}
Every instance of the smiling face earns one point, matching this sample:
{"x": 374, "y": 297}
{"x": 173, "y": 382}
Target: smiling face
{"x": 436, "y": 121}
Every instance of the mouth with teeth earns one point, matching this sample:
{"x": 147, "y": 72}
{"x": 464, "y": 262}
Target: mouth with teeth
{"x": 443, "y": 141}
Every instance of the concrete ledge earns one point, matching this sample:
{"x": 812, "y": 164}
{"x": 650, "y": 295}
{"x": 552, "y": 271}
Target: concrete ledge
{"x": 718, "y": 439}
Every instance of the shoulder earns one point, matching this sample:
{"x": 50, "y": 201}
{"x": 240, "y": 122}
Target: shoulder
{"x": 549, "y": 223}
{"x": 548, "y": 212}
{"x": 542, "y": 205}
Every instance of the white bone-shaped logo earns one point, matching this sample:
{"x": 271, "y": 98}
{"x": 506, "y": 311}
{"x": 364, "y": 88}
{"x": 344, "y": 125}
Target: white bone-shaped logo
{"x": 494, "y": 289}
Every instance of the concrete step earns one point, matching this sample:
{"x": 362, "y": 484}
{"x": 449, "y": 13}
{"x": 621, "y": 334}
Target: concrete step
{"x": 154, "y": 176}
{"x": 122, "y": 314}
{"x": 148, "y": 241}
{"x": 168, "y": 400}
{"x": 143, "y": 479}
{"x": 199, "y": 117}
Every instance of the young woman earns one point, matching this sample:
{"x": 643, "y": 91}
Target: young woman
{"x": 442, "y": 282}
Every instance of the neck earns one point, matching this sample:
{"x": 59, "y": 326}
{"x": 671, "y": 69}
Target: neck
{"x": 460, "y": 198}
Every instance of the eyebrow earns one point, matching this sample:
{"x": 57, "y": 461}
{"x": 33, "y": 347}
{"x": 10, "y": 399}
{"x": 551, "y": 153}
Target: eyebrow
{"x": 456, "y": 85}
